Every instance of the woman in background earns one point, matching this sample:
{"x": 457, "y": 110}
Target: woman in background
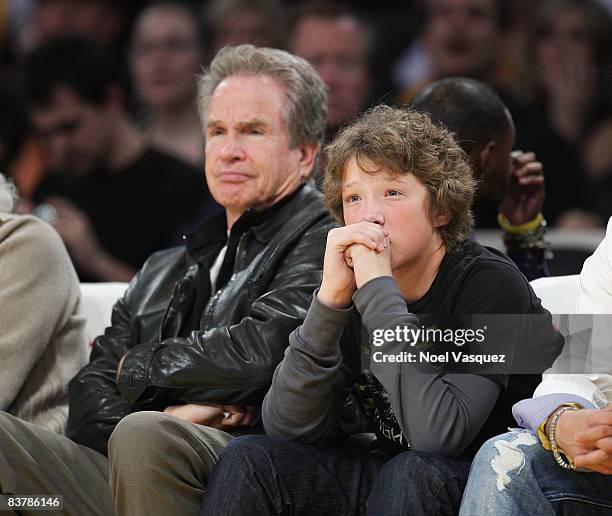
{"x": 568, "y": 62}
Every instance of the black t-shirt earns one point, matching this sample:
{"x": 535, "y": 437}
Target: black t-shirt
{"x": 483, "y": 282}
{"x": 134, "y": 211}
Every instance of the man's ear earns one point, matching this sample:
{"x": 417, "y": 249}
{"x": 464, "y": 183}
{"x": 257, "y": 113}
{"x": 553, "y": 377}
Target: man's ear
{"x": 483, "y": 160}
{"x": 307, "y": 158}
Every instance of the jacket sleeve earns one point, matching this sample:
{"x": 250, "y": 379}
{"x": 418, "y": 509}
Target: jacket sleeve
{"x": 235, "y": 363}
{"x": 96, "y": 405}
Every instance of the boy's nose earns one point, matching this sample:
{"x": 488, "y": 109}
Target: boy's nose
{"x": 375, "y": 217}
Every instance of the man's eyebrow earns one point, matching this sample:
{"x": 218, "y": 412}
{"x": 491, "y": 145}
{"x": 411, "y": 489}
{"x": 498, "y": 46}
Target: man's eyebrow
{"x": 253, "y": 123}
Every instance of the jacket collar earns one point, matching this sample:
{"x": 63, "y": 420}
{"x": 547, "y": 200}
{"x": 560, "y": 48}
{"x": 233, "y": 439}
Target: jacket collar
{"x": 263, "y": 223}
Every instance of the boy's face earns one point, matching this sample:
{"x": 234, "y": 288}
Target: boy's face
{"x": 398, "y": 203}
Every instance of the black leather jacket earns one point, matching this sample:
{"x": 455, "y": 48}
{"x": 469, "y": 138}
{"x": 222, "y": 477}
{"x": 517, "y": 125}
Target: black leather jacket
{"x": 243, "y": 332}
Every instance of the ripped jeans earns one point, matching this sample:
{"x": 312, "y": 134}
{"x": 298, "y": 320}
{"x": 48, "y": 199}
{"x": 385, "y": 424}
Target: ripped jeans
{"x": 512, "y": 474}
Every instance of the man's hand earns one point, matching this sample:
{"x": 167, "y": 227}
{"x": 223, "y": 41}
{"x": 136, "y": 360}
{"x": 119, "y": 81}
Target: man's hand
{"x": 74, "y": 227}
{"x": 222, "y": 417}
{"x": 85, "y": 249}
{"x": 525, "y": 191}
{"x": 367, "y": 263}
{"x": 586, "y": 437}
{"x": 338, "y": 283}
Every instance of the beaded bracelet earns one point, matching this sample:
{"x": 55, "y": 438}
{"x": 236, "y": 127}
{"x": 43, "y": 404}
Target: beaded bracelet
{"x": 558, "y": 454}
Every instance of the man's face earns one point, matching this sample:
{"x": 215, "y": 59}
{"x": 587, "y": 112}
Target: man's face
{"x": 76, "y": 134}
{"x": 400, "y": 201}
{"x": 248, "y": 160}
{"x": 463, "y": 36}
{"x": 337, "y": 49}
{"x": 562, "y": 45}
{"x": 243, "y": 25}
{"x": 165, "y": 57}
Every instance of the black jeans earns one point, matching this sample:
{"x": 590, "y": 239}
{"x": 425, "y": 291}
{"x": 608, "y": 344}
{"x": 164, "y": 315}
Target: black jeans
{"x": 258, "y": 475}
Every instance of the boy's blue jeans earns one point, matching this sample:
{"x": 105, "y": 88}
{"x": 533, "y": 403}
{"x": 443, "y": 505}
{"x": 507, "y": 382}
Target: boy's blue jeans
{"x": 258, "y": 475}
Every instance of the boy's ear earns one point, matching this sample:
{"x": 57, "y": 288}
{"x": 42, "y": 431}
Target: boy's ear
{"x": 441, "y": 219}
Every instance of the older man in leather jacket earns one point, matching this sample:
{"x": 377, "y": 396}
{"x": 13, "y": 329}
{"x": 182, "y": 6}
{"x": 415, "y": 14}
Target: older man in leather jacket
{"x": 194, "y": 341}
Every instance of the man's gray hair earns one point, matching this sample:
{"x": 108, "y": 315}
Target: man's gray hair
{"x": 8, "y": 195}
{"x": 306, "y": 107}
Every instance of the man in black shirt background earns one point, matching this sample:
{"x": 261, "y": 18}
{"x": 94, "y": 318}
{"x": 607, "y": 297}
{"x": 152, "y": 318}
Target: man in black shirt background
{"x": 113, "y": 200}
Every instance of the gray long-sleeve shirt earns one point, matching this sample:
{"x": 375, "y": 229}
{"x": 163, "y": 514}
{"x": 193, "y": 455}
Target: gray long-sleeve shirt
{"x": 439, "y": 413}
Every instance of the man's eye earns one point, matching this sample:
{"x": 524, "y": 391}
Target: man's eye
{"x": 256, "y": 131}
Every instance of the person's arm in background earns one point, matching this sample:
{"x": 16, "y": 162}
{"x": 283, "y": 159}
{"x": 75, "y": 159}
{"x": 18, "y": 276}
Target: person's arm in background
{"x": 520, "y": 214}
{"x": 85, "y": 248}
{"x": 39, "y": 292}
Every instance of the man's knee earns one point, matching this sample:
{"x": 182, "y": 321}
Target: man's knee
{"x": 137, "y": 433}
{"x": 507, "y": 458}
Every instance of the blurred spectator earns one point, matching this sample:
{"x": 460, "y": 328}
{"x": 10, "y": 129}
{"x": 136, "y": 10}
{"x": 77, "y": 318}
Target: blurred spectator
{"x": 338, "y": 44}
{"x": 567, "y": 77}
{"x": 233, "y": 22}
{"x": 21, "y": 155}
{"x": 103, "y": 21}
{"x": 464, "y": 38}
{"x": 113, "y": 200}
{"x": 460, "y": 38}
{"x": 41, "y": 349}
{"x": 166, "y": 55}
{"x": 509, "y": 183}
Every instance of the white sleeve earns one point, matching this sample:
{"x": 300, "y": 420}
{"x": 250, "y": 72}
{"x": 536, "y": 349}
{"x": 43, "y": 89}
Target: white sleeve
{"x": 594, "y": 297}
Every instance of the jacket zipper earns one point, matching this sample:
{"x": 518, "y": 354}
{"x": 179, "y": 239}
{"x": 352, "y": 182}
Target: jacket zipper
{"x": 218, "y": 293}
{"x": 165, "y": 317}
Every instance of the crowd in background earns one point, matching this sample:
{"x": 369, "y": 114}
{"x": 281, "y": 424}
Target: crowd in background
{"x": 550, "y": 61}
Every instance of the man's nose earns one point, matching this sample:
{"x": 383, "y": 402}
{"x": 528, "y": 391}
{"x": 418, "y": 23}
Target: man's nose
{"x": 330, "y": 74}
{"x": 232, "y": 149}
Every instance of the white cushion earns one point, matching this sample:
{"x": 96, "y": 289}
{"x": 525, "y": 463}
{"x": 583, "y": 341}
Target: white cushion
{"x": 558, "y": 293}
{"x": 97, "y": 301}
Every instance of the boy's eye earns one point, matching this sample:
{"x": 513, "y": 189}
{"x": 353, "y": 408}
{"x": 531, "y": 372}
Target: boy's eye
{"x": 352, "y": 198}
{"x": 393, "y": 193}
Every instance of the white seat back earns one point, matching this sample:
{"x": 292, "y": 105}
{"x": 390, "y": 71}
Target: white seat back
{"x": 558, "y": 293}
{"x": 97, "y": 301}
